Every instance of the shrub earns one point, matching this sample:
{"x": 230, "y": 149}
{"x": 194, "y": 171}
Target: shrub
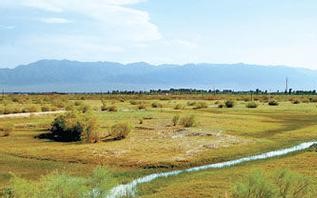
{"x": 221, "y": 105}
{"x": 111, "y": 108}
{"x": 120, "y": 131}
{"x": 252, "y": 105}
{"x": 157, "y": 105}
{"x": 141, "y": 107}
{"x": 201, "y": 105}
{"x": 133, "y": 102}
{"x": 62, "y": 185}
{"x": 30, "y": 109}
{"x": 255, "y": 185}
{"x": 45, "y": 108}
{"x": 188, "y": 121}
{"x": 191, "y": 103}
{"x": 179, "y": 106}
{"x": 273, "y": 102}
{"x": 314, "y": 99}
{"x": 283, "y": 183}
{"x": 229, "y": 104}
{"x": 175, "y": 120}
{"x": 295, "y": 101}
{"x": 74, "y": 126}
{"x": 6, "y": 130}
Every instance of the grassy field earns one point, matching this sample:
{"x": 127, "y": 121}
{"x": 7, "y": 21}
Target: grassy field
{"x": 156, "y": 145}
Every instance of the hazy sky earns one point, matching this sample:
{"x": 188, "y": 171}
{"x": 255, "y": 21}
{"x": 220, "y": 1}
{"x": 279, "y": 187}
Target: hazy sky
{"x": 275, "y": 32}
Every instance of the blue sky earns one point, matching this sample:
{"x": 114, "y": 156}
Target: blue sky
{"x": 269, "y": 32}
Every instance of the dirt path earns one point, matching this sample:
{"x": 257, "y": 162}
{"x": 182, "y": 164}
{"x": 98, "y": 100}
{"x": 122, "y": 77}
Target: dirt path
{"x": 24, "y": 115}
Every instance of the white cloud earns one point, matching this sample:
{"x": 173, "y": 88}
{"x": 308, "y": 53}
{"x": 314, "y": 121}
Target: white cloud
{"x": 54, "y": 20}
{"x": 109, "y": 14}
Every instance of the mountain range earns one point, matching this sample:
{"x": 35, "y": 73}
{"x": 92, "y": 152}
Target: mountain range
{"x": 75, "y": 76}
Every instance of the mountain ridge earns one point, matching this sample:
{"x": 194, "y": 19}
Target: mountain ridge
{"x": 75, "y": 76}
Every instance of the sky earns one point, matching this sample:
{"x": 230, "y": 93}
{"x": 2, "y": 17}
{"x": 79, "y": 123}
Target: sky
{"x": 269, "y": 32}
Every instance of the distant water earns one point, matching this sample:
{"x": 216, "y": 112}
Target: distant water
{"x": 129, "y": 190}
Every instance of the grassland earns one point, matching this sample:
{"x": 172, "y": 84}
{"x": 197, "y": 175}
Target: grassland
{"x": 156, "y": 145}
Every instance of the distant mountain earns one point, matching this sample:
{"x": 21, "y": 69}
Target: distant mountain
{"x": 74, "y": 76}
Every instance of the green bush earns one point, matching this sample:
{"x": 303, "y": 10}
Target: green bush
{"x": 156, "y": 105}
{"x": 191, "y": 103}
{"x": 110, "y": 108}
{"x": 175, "y": 120}
{"x": 281, "y": 184}
{"x": 75, "y": 126}
{"x": 221, "y": 105}
{"x": 273, "y": 102}
{"x": 62, "y": 185}
{"x": 188, "y": 121}
{"x": 45, "y": 108}
{"x": 252, "y": 105}
{"x": 229, "y": 104}
{"x": 179, "y": 106}
{"x": 120, "y": 131}
{"x": 201, "y": 105}
{"x": 142, "y": 107}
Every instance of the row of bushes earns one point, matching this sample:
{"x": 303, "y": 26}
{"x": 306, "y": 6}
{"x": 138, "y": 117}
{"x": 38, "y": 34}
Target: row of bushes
{"x": 62, "y": 185}
{"x": 26, "y": 109}
{"x": 83, "y": 126}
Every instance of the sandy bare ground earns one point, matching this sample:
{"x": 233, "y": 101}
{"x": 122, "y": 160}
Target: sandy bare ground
{"x": 24, "y": 115}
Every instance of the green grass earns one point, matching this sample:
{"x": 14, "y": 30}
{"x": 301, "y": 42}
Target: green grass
{"x": 156, "y": 145}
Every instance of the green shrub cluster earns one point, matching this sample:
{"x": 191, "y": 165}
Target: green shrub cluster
{"x": 201, "y": 105}
{"x": 283, "y": 184}
{"x": 273, "y": 102}
{"x": 252, "y": 105}
{"x": 156, "y": 105}
{"x": 75, "y": 126}
{"x": 62, "y": 185}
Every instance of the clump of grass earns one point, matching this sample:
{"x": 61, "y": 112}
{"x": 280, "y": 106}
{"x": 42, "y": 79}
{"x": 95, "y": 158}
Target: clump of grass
{"x": 188, "y": 121}
{"x": 229, "y": 104}
{"x": 252, "y": 105}
{"x": 111, "y": 108}
{"x": 45, "y": 108}
{"x": 273, "y": 102}
{"x": 201, "y": 105}
{"x": 191, "y": 103}
{"x": 175, "y": 120}
{"x": 62, "y": 185}
{"x": 156, "y": 105}
{"x": 179, "y": 106}
{"x": 142, "y": 106}
{"x": 283, "y": 183}
{"x": 220, "y": 105}
{"x": 120, "y": 131}
{"x": 6, "y": 130}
